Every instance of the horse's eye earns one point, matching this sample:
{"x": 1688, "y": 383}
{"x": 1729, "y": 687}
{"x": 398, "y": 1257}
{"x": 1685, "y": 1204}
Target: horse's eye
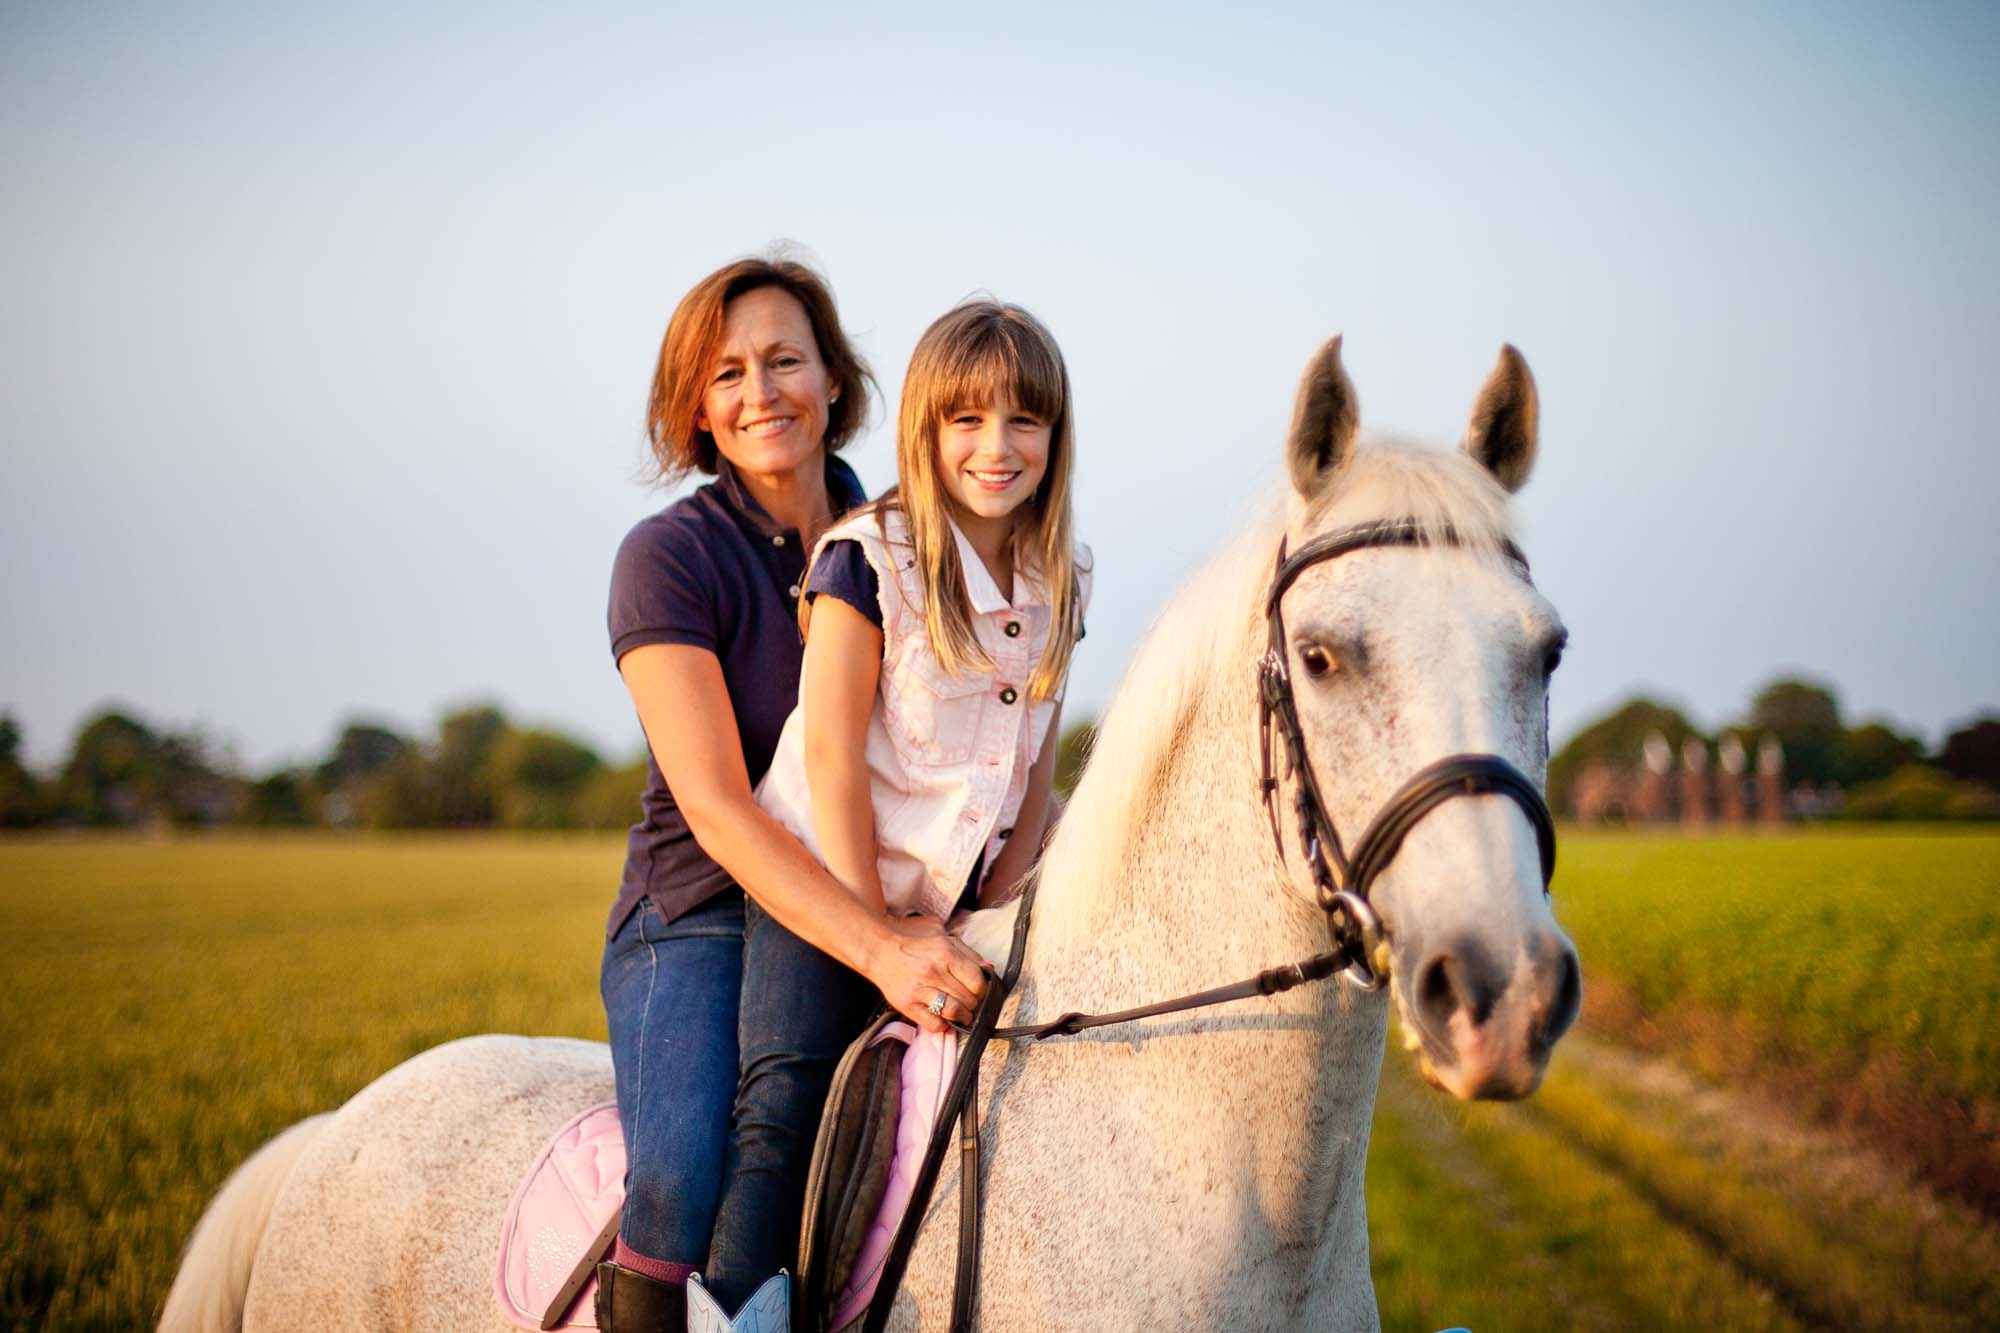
{"x": 1551, "y": 662}
{"x": 1317, "y": 660}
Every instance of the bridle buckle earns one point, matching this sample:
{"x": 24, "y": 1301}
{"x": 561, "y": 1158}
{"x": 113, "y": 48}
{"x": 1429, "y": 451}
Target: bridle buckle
{"x": 1357, "y": 932}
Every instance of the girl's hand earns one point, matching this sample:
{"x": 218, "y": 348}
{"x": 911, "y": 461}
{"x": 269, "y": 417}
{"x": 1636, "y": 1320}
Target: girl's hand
{"x": 914, "y": 961}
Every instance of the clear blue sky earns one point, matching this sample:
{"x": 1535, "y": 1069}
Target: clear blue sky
{"x": 327, "y": 333}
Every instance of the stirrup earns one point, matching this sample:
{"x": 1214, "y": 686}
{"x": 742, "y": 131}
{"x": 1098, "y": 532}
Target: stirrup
{"x": 768, "y": 1311}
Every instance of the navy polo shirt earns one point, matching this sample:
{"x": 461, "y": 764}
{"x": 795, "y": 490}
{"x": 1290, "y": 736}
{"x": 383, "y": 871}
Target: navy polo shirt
{"x": 714, "y": 570}
{"x": 843, "y": 572}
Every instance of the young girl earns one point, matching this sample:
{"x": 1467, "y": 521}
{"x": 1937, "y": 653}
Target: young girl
{"x": 919, "y": 763}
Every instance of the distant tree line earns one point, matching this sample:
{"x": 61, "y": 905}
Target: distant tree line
{"x": 1870, "y": 771}
{"x": 479, "y": 770}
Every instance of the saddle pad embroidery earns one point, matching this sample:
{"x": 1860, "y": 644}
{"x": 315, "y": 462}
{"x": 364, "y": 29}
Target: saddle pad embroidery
{"x": 927, "y": 1071}
{"x": 575, "y": 1185}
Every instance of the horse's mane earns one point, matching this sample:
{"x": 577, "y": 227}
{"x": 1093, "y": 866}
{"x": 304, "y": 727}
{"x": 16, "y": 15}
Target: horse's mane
{"x": 1198, "y": 643}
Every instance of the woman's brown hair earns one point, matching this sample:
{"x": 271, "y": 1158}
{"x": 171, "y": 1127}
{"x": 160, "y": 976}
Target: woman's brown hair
{"x": 695, "y": 331}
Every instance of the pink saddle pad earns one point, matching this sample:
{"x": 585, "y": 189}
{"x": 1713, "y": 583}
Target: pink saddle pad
{"x": 577, "y": 1184}
{"x": 574, "y": 1188}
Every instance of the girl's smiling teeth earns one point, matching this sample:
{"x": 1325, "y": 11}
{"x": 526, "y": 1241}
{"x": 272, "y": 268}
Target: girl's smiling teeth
{"x": 996, "y": 480}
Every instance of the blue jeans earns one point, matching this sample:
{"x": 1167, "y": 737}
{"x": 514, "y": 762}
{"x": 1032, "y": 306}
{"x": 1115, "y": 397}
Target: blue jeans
{"x": 725, "y": 1030}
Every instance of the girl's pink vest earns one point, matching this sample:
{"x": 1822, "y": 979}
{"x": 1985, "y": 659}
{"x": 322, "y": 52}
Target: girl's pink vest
{"x": 948, "y": 756}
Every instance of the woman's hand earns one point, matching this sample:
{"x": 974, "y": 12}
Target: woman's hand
{"x": 914, "y": 961}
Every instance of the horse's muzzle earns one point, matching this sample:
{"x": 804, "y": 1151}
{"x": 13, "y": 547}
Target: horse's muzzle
{"x": 1483, "y": 1031}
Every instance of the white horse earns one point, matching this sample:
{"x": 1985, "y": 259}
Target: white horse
{"x": 1202, "y": 1171}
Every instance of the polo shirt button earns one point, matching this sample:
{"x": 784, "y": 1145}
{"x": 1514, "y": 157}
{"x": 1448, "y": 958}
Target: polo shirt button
{"x": 793, "y": 591}
{"x": 1008, "y": 696}
{"x": 778, "y": 540}
{"x": 1013, "y": 629}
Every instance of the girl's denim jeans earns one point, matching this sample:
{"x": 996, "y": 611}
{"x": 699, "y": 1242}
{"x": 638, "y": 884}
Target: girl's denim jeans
{"x": 725, "y": 1030}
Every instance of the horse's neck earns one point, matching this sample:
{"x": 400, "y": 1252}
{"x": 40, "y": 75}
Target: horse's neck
{"x": 1192, "y": 892}
{"x": 1195, "y": 896}
{"x": 1199, "y": 899}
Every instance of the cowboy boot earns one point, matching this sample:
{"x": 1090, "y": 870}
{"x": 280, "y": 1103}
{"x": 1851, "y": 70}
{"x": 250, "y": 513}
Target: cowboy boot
{"x": 768, "y": 1311}
{"x": 631, "y": 1302}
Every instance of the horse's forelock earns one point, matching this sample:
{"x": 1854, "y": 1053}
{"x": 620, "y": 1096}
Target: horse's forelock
{"x": 1444, "y": 491}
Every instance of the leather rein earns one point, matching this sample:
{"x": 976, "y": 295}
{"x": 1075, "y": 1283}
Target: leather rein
{"x": 1341, "y": 883}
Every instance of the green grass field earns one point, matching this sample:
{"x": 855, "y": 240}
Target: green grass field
{"x": 167, "y": 1006}
{"x": 1849, "y": 946}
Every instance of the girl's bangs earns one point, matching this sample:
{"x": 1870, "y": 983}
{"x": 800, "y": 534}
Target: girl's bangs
{"x": 999, "y": 362}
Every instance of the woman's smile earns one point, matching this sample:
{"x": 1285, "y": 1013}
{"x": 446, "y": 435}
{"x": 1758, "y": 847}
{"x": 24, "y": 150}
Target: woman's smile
{"x": 764, "y": 427}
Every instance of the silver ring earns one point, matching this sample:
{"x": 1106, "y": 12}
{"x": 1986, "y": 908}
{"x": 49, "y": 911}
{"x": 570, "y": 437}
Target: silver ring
{"x": 938, "y": 1002}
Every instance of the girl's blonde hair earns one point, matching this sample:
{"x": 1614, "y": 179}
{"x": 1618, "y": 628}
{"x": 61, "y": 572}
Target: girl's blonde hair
{"x": 974, "y": 356}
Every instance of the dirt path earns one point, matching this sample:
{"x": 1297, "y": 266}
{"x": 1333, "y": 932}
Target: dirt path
{"x": 1628, "y": 1194}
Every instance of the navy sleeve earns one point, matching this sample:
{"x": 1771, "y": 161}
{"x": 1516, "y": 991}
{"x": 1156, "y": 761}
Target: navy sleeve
{"x": 663, "y": 588}
{"x": 842, "y": 571}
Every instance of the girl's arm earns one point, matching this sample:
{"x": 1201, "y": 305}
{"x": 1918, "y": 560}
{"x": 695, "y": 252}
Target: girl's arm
{"x": 1024, "y": 844}
{"x": 843, "y": 665}
{"x": 690, "y": 724}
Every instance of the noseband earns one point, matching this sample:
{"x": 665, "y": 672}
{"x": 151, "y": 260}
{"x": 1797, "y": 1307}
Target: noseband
{"x": 1340, "y": 881}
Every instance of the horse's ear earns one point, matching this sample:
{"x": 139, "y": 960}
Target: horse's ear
{"x": 1323, "y": 420}
{"x": 1505, "y": 420}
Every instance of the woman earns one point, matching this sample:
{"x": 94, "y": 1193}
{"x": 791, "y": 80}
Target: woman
{"x": 734, "y": 964}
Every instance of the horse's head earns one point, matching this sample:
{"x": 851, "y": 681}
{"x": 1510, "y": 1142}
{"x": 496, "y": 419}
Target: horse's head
{"x": 1399, "y": 654}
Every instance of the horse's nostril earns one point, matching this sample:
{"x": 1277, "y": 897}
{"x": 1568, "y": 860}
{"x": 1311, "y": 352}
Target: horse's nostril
{"x": 1459, "y": 978}
{"x": 1437, "y": 998}
{"x": 1566, "y": 999}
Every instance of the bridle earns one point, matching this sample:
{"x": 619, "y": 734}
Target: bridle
{"x": 1341, "y": 883}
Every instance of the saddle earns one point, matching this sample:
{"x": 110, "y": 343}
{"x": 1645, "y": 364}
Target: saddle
{"x": 881, "y": 1110}
{"x": 884, "y": 1104}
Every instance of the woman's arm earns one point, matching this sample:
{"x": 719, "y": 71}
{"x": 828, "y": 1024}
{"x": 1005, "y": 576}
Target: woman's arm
{"x": 690, "y": 724}
{"x": 843, "y": 666}
{"x": 1024, "y": 844}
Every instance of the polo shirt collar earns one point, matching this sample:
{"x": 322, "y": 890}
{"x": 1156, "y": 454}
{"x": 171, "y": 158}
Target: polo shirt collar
{"x": 980, "y": 589}
{"x": 843, "y": 492}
